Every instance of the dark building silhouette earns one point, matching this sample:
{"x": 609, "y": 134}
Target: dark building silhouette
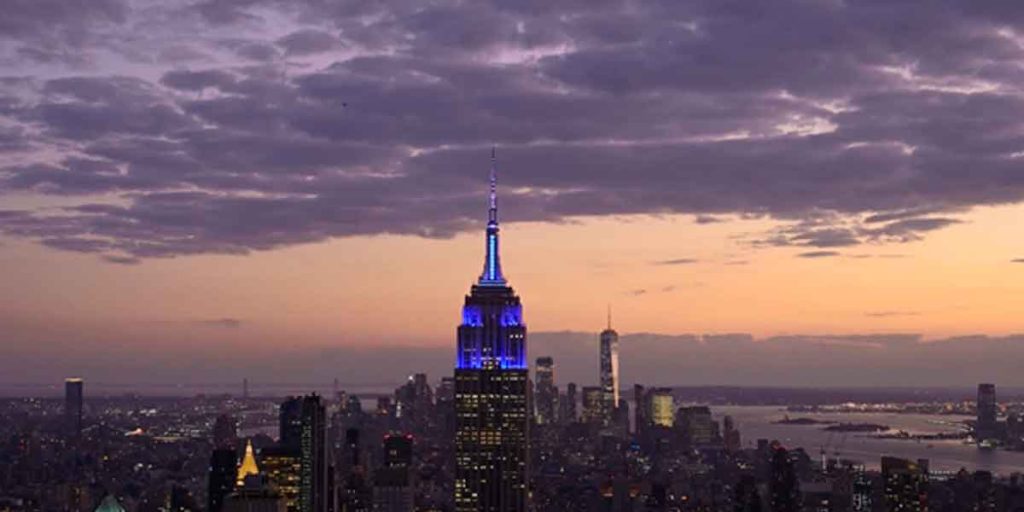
{"x": 392, "y": 483}
{"x": 257, "y": 494}
{"x": 356, "y": 492}
{"x": 640, "y": 409}
{"x": 748, "y": 499}
{"x": 73, "y": 397}
{"x": 225, "y": 432}
{"x": 906, "y": 484}
{"x": 491, "y": 389}
{"x": 783, "y": 485}
{"x": 181, "y": 500}
{"x": 731, "y": 435}
{"x": 290, "y": 428}
{"x": 569, "y": 412}
{"x": 398, "y": 450}
{"x": 221, "y": 477}
{"x": 986, "y": 427}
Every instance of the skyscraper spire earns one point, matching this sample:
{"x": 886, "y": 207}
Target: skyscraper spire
{"x": 492, "y": 214}
{"x": 492, "y": 382}
{"x": 492, "y": 275}
{"x": 609, "y": 317}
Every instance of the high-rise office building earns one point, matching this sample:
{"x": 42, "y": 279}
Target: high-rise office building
{"x": 491, "y": 381}
{"x": 225, "y": 432}
{"x": 662, "y": 406}
{"x": 392, "y": 490}
{"x": 986, "y": 426}
{"x": 609, "y": 362}
{"x": 546, "y": 397}
{"x": 304, "y": 434}
{"x": 593, "y": 406}
{"x": 862, "y": 490}
{"x": 697, "y": 425}
{"x": 568, "y": 404}
{"x": 640, "y": 411}
{"x": 730, "y": 435}
{"x": 906, "y": 484}
{"x": 73, "y": 397}
{"x": 783, "y": 486}
{"x": 356, "y": 493}
{"x": 221, "y": 477}
{"x": 283, "y": 467}
{"x": 392, "y": 483}
{"x": 398, "y": 450}
{"x": 413, "y": 402}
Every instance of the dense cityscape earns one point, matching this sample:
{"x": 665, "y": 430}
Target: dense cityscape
{"x": 490, "y": 438}
{"x": 394, "y": 452}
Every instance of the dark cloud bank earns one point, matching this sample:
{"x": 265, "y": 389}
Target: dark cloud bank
{"x": 205, "y": 128}
{"x": 738, "y": 359}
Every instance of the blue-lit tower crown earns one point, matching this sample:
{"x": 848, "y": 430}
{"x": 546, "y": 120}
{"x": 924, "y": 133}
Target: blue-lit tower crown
{"x": 492, "y": 334}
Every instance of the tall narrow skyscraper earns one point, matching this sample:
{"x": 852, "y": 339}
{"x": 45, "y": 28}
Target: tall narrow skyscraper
{"x": 546, "y": 397}
{"x": 491, "y": 382}
{"x": 986, "y": 426}
{"x": 609, "y": 372}
{"x": 73, "y": 396}
{"x": 304, "y": 436}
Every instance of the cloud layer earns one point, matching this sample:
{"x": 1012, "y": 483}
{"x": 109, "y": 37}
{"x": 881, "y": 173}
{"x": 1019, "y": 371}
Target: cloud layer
{"x": 868, "y": 360}
{"x": 229, "y": 126}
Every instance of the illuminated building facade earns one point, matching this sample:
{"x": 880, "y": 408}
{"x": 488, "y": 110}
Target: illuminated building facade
{"x": 282, "y": 467}
{"x": 491, "y": 384}
{"x": 256, "y": 494}
{"x": 906, "y": 484}
{"x": 547, "y": 393}
{"x": 248, "y": 465}
{"x": 609, "y": 361}
{"x": 662, "y": 405}
{"x": 593, "y": 405}
{"x": 304, "y": 439}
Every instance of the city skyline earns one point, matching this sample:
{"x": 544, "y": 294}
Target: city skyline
{"x": 279, "y": 176}
{"x": 243, "y": 270}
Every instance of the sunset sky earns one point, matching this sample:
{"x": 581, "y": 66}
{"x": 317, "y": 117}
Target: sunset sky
{"x": 250, "y": 178}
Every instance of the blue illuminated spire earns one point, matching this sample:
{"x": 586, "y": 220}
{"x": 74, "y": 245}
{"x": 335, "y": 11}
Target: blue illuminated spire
{"x": 492, "y": 263}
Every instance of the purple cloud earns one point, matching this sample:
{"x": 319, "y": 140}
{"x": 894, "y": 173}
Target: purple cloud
{"x": 818, "y": 254}
{"x": 243, "y": 125}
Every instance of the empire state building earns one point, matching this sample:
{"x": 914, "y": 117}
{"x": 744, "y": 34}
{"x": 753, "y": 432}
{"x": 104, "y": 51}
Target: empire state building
{"x": 491, "y": 380}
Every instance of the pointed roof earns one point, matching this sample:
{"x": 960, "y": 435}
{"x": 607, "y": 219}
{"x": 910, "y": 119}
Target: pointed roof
{"x": 608, "y": 329}
{"x": 110, "y": 504}
{"x": 248, "y": 466}
{"x": 492, "y": 275}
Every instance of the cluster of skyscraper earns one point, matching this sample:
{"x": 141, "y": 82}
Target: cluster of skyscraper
{"x": 487, "y": 410}
{"x": 293, "y": 474}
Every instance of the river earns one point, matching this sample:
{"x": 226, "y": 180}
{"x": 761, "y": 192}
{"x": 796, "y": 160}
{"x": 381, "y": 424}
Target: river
{"x": 756, "y": 422}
